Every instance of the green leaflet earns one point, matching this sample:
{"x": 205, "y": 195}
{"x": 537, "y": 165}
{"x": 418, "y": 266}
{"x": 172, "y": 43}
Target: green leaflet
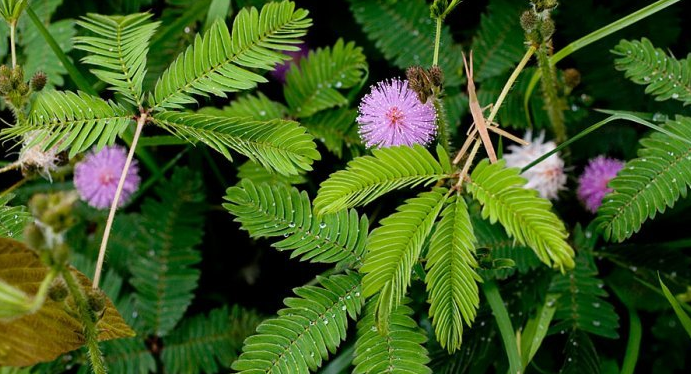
{"x": 163, "y": 272}
{"x": 337, "y": 129}
{"x": 398, "y": 350}
{"x": 524, "y": 215}
{"x": 257, "y": 106}
{"x": 393, "y": 249}
{"x": 280, "y": 211}
{"x": 369, "y": 177}
{"x": 451, "y": 277}
{"x": 302, "y": 336}
{"x": 664, "y": 76}
{"x": 314, "y": 85}
{"x": 71, "y": 121}
{"x": 219, "y": 62}
{"x": 404, "y": 32}
{"x": 280, "y": 145}
{"x": 118, "y": 51}
{"x": 648, "y": 184}
{"x": 12, "y": 218}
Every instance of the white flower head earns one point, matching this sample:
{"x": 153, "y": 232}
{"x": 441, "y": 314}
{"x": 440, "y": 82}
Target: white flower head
{"x": 33, "y": 157}
{"x": 548, "y": 176}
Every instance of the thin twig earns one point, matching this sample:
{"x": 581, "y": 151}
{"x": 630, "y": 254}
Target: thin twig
{"x": 114, "y": 206}
{"x": 12, "y": 166}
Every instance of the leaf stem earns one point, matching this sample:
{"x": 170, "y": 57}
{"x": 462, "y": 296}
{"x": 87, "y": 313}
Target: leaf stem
{"x": 13, "y": 30}
{"x": 634, "y": 343}
{"x": 114, "y": 206}
{"x": 507, "y": 332}
{"x": 9, "y": 167}
{"x": 437, "y": 41}
{"x": 509, "y": 83}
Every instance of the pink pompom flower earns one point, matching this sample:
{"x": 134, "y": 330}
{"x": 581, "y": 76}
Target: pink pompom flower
{"x": 592, "y": 184}
{"x": 392, "y": 115}
{"x": 96, "y": 177}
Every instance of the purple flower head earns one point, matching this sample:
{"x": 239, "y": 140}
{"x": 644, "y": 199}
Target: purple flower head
{"x": 391, "y": 115}
{"x": 592, "y": 184}
{"x": 97, "y": 176}
{"x": 281, "y": 69}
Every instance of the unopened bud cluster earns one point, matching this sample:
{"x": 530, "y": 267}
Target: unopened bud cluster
{"x": 15, "y": 89}
{"x": 425, "y": 82}
{"x": 537, "y": 22}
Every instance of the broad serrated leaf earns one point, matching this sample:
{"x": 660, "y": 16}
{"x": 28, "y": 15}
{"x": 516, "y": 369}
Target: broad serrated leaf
{"x": 53, "y": 329}
{"x": 404, "y": 32}
{"x": 219, "y": 62}
{"x": 393, "y": 249}
{"x": 451, "y": 278}
{"x": 648, "y": 184}
{"x": 279, "y": 211}
{"x": 400, "y": 350}
{"x": 118, "y": 51}
{"x": 280, "y": 145}
{"x": 369, "y": 177}
{"x": 71, "y": 121}
{"x": 163, "y": 272}
{"x": 314, "y": 85}
{"x": 313, "y": 325}
{"x": 525, "y": 216}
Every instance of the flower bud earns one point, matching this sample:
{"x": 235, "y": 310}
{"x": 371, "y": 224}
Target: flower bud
{"x": 547, "y": 29}
{"x": 58, "y": 290}
{"x": 528, "y": 21}
{"x": 572, "y": 77}
{"x": 96, "y": 299}
{"x": 38, "y": 81}
{"x": 17, "y": 75}
{"x": 436, "y": 76}
{"x": 438, "y": 8}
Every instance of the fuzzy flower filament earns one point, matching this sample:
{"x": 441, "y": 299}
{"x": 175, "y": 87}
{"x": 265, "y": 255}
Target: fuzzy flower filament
{"x": 392, "y": 115}
{"x": 592, "y": 184}
{"x": 547, "y": 177}
{"x": 96, "y": 177}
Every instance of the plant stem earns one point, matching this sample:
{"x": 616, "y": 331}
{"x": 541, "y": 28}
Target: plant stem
{"x": 549, "y": 90}
{"x": 634, "y": 344}
{"x": 442, "y": 126}
{"x": 12, "y": 166}
{"x": 508, "y": 335}
{"x": 14, "y": 186}
{"x": 114, "y": 206}
{"x": 13, "y": 29}
{"x": 437, "y": 41}
{"x": 86, "y": 316}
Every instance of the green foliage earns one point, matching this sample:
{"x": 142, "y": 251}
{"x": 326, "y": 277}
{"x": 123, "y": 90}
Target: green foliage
{"x": 404, "y": 33}
{"x": 258, "y": 174}
{"x": 582, "y": 305}
{"x": 302, "y": 336}
{"x": 451, "y": 277}
{"x": 279, "y": 211}
{"x": 118, "y": 51}
{"x": 205, "y": 344}
{"x": 123, "y": 356}
{"x": 74, "y": 121}
{"x": 257, "y": 106}
{"x": 336, "y": 129}
{"x": 369, "y": 177}
{"x": 218, "y": 61}
{"x": 162, "y": 267}
{"x": 648, "y": 184}
{"x": 12, "y": 218}
{"x": 393, "y": 249}
{"x": 665, "y": 76}
{"x": 398, "y": 350}
{"x": 525, "y": 216}
{"x": 499, "y": 43}
{"x": 281, "y": 145}
{"x": 678, "y": 310}
{"x": 313, "y": 85}
{"x": 10, "y": 10}
{"x": 581, "y": 356}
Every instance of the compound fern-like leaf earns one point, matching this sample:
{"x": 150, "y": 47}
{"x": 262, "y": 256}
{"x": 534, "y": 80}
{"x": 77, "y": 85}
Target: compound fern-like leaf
{"x": 12, "y": 218}
{"x": 163, "y": 272}
{"x": 219, "y": 62}
{"x": 399, "y": 350}
{"x": 280, "y": 145}
{"x": 74, "y": 121}
{"x": 393, "y": 249}
{"x": 259, "y": 107}
{"x": 648, "y": 184}
{"x": 337, "y": 129}
{"x": 665, "y": 76}
{"x": 451, "y": 278}
{"x": 369, "y": 177}
{"x": 313, "y": 85}
{"x": 279, "y": 211}
{"x": 525, "y": 216}
{"x": 118, "y": 51}
{"x": 302, "y": 336}
{"x": 404, "y": 32}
